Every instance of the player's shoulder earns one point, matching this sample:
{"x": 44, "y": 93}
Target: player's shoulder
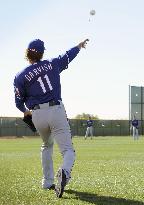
{"x": 53, "y": 61}
{"x": 22, "y": 72}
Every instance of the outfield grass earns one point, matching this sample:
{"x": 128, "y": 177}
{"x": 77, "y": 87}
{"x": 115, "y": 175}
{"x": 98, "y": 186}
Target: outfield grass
{"x": 107, "y": 171}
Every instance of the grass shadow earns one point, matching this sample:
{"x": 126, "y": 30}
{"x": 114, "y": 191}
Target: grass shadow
{"x": 102, "y": 200}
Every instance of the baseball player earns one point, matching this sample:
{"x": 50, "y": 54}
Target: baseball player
{"x": 38, "y": 93}
{"x": 135, "y": 128}
{"x": 89, "y": 130}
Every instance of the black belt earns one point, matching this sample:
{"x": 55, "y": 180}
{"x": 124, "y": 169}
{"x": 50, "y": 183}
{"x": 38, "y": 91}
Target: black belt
{"x": 50, "y": 103}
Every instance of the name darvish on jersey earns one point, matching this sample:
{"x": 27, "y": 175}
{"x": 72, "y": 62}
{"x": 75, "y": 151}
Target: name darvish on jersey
{"x": 40, "y": 82}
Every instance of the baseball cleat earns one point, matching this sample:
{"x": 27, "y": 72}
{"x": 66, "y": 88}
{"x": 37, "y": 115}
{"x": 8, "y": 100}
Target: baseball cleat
{"x": 49, "y": 187}
{"x": 52, "y": 187}
{"x": 61, "y": 177}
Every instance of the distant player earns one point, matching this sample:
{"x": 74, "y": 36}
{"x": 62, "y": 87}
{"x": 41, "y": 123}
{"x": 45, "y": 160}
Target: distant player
{"x": 89, "y": 130}
{"x": 135, "y": 128}
{"x": 38, "y": 88}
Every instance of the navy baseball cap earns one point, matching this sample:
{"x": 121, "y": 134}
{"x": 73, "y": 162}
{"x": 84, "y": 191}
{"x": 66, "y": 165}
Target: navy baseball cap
{"x": 37, "y": 45}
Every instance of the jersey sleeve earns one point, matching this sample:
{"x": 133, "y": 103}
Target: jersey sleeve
{"x": 19, "y": 95}
{"x": 64, "y": 60}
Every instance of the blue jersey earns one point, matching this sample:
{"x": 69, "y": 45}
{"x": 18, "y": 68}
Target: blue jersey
{"x": 40, "y": 82}
{"x": 135, "y": 123}
{"x": 89, "y": 123}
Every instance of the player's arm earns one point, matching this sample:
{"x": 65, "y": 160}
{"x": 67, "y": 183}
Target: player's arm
{"x": 137, "y": 124}
{"x": 92, "y": 122}
{"x": 19, "y": 95}
{"x": 64, "y": 60}
{"x": 87, "y": 123}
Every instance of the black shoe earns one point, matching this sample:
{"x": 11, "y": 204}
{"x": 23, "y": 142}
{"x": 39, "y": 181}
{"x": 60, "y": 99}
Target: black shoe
{"x": 52, "y": 187}
{"x": 61, "y": 177}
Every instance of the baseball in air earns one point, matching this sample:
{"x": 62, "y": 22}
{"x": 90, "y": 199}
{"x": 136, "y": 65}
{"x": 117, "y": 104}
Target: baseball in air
{"x": 92, "y": 12}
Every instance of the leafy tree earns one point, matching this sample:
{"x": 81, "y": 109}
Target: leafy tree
{"x": 85, "y": 116}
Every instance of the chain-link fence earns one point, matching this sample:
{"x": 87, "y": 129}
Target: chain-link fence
{"x": 12, "y": 126}
{"x": 101, "y": 127}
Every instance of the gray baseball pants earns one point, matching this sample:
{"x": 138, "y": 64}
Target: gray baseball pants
{"x": 89, "y": 131}
{"x": 51, "y": 123}
{"x": 135, "y": 133}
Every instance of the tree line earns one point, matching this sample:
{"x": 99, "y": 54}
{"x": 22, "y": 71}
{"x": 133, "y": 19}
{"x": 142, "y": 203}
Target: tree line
{"x": 85, "y": 116}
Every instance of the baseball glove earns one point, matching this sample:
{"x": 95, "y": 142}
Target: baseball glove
{"x": 28, "y": 120}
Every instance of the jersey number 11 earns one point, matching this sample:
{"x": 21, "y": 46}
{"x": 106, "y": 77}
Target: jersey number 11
{"x": 46, "y": 78}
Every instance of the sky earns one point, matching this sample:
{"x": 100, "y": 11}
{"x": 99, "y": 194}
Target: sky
{"x": 97, "y": 80}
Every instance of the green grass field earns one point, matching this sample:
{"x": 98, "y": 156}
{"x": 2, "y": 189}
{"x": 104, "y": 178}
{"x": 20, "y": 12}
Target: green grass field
{"x": 107, "y": 171}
